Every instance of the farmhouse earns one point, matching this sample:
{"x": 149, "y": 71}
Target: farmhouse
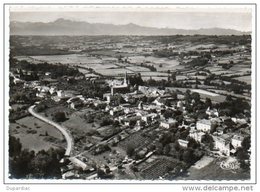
{"x": 222, "y": 143}
{"x": 168, "y": 123}
{"x": 204, "y": 125}
{"x": 78, "y": 163}
{"x": 196, "y": 135}
{"x": 149, "y": 117}
{"x": 116, "y": 111}
{"x": 237, "y": 140}
{"x": 183, "y": 143}
{"x": 76, "y": 104}
{"x": 212, "y": 112}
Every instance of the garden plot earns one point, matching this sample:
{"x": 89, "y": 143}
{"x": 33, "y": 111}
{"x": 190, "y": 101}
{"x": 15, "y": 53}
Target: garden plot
{"x": 159, "y": 167}
{"x": 108, "y": 131}
{"x": 135, "y": 140}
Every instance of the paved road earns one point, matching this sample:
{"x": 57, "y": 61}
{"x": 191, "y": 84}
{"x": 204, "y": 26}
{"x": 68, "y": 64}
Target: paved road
{"x": 62, "y": 129}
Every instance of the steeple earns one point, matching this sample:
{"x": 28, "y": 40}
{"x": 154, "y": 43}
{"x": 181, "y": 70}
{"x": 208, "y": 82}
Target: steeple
{"x": 126, "y": 79}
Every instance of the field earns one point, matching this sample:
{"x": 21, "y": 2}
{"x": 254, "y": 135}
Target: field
{"x": 97, "y": 66}
{"x": 138, "y": 68}
{"x": 203, "y": 94}
{"x": 113, "y": 72}
{"x": 73, "y": 59}
{"x": 166, "y": 64}
{"x": 154, "y": 74}
{"x": 246, "y": 79}
{"x": 109, "y": 66}
{"x": 200, "y": 91}
{"x": 32, "y": 134}
{"x": 199, "y": 46}
{"x": 154, "y": 78}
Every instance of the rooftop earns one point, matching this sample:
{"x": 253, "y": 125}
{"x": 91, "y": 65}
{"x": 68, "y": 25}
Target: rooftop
{"x": 204, "y": 121}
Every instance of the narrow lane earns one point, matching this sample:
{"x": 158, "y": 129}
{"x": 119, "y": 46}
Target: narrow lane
{"x": 61, "y": 128}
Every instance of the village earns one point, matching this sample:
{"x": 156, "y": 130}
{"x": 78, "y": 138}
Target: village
{"x": 130, "y": 107}
{"x": 128, "y": 130}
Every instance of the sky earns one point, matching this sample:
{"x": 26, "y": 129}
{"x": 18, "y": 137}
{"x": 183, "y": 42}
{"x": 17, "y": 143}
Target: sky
{"x": 181, "y": 17}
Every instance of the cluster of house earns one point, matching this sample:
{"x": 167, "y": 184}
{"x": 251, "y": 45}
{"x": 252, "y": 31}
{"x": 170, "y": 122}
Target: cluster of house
{"x": 225, "y": 143}
{"x": 127, "y": 114}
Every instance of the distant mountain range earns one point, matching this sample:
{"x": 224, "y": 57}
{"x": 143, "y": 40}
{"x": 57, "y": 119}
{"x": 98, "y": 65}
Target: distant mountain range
{"x": 68, "y": 27}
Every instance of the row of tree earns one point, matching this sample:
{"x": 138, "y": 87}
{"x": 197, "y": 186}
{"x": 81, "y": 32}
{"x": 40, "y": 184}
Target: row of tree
{"x": 28, "y": 164}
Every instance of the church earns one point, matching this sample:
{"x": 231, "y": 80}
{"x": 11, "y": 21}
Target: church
{"x": 123, "y": 88}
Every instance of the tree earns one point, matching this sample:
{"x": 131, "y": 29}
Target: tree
{"x": 208, "y": 140}
{"x": 168, "y": 113}
{"x": 187, "y": 96}
{"x": 196, "y": 97}
{"x": 208, "y": 102}
{"x": 246, "y": 143}
{"x": 188, "y": 156}
{"x": 132, "y": 122}
{"x": 193, "y": 144}
{"x": 166, "y": 149}
{"x": 174, "y": 95}
{"x": 19, "y": 166}
{"x": 228, "y": 98}
{"x": 106, "y": 121}
{"x": 90, "y": 118}
{"x": 130, "y": 150}
{"x": 24, "y": 163}
{"x": 173, "y": 76}
{"x": 59, "y": 116}
{"x": 116, "y": 123}
{"x": 236, "y": 88}
{"x": 242, "y": 154}
{"x": 46, "y": 164}
{"x": 14, "y": 146}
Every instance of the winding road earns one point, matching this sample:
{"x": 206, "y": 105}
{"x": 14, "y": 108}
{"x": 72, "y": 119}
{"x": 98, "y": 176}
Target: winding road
{"x": 61, "y": 128}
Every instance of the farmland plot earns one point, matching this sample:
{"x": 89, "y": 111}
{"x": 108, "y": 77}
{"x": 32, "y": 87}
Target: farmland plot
{"x": 35, "y": 134}
{"x": 73, "y": 59}
{"x": 246, "y": 79}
